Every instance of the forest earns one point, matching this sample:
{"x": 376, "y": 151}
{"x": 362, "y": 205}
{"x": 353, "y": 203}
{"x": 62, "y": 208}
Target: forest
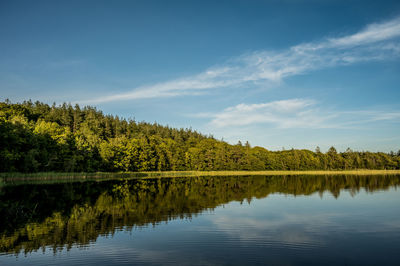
{"x": 37, "y": 137}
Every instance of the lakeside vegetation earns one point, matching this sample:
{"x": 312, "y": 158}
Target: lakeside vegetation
{"x": 36, "y": 137}
{"x": 49, "y": 177}
{"x": 64, "y": 215}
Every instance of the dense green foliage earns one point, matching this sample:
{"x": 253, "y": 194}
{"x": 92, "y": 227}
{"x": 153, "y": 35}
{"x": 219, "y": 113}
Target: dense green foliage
{"x": 63, "y": 215}
{"x": 38, "y": 137}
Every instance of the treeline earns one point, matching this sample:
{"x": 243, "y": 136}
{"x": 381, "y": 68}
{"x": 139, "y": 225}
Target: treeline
{"x": 36, "y": 137}
{"x": 74, "y": 214}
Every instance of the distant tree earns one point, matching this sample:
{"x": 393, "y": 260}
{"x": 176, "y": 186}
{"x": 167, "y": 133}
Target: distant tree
{"x": 348, "y": 150}
{"x": 317, "y": 150}
{"x": 332, "y": 150}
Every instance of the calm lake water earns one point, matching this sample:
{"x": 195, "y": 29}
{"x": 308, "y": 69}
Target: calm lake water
{"x": 273, "y": 220}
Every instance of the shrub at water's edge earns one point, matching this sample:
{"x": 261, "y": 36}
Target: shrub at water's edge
{"x": 10, "y": 178}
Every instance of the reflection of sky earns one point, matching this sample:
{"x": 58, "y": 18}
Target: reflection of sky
{"x": 279, "y": 229}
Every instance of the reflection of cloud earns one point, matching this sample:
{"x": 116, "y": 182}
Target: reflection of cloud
{"x": 390, "y": 226}
{"x": 281, "y": 223}
{"x": 150, "y": 251}
{"x": 289, "y": 230}
{"x": 377, "y": 41}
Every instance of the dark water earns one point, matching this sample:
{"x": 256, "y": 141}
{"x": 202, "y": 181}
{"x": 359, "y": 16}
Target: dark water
{"x": 280, "y": 220}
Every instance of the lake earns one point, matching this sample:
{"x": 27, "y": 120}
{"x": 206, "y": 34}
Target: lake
{"x": 231, "y": 220}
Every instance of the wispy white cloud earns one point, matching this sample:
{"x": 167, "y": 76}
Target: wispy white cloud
{"x": 207, "y": 80}
{"x": 295, "y": 113}
{"x": 378, "y": 41}
{"x": 372, "y": 33}
{"x": 283, "y": 114}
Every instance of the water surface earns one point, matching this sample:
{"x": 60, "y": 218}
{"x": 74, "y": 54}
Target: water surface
{"x": 274, "y": 220}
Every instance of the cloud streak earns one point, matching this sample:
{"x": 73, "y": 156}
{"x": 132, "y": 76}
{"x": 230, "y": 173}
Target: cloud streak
{"x": 378, "y": 41}
{"x": 295, "y": 113}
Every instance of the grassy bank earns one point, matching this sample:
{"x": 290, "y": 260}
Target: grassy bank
{"x": 56, "y": 177}
{"x": 101, "y": 175}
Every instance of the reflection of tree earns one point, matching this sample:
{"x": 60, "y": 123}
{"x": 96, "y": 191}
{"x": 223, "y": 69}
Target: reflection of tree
{"x": 62, "y": 215}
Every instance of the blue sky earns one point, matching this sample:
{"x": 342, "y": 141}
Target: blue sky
{"x": 279, "y": 74}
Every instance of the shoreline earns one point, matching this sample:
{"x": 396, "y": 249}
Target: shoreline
{"x": 113, "y": 175}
